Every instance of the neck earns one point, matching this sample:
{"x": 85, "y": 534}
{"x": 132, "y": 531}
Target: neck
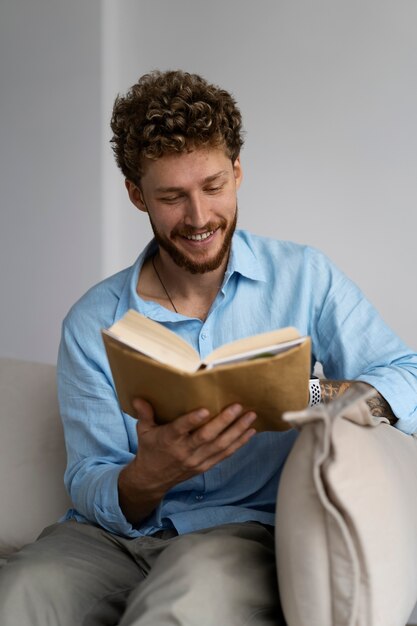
{"x": 182, "y": 284}
{"x": 191, "y": 295}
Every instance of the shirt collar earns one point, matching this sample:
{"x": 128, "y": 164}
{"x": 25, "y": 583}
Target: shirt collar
{"x": 129, "y": 298}
{"x": 242, "y": 261}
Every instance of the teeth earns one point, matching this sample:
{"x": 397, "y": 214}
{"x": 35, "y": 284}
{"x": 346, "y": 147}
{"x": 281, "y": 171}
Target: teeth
{"x": 200, "y": 236}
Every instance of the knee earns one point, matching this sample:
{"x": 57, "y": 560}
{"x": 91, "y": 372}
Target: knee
{"x": 213, "y": 574}
{"x": 191, "y": 552}
{"x": 221, "y": 551}
{"x": 219, "y": 559}
{"x": 29, "y": 576}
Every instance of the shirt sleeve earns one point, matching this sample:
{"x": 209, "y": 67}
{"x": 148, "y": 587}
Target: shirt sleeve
{"x": 352, "y": 342}
{"x": 100, "y": 439}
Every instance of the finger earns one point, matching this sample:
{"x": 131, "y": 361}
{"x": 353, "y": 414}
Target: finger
{"x": 144, "y": 414}
{"x": 181, "y": 426}
{"x": 235, "y": 431}
{"x": 210, "y": 431}
{"x": 204, "y": 464}
{"x": 225, "y": 439}
{"x": 190, "y": 421}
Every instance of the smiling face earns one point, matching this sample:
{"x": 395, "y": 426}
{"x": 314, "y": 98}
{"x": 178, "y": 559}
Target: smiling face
{"x": 192, "y": 205}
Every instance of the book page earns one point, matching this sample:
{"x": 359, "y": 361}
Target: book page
{"x": 259, "y": 343}
{"x": 257, "y": 353}
{"x": 154, "y": 340}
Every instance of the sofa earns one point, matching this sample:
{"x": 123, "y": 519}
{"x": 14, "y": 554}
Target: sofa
{"x": 32, "y": 453}
{"x": 347, "y": 505}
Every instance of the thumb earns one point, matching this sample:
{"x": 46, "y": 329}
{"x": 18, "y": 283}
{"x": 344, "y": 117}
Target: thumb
{"x": 144, "y": 413}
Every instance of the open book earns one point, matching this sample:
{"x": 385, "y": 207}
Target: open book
{"x": 268, "y": 372}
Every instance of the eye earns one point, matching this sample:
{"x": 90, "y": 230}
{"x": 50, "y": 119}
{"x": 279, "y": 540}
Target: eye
{"x": 171, "y": 199}
{"x": 214, "y": 188}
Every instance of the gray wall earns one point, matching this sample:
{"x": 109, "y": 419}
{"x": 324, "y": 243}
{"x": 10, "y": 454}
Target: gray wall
{"x": 50, "y": 146}
{"x": 328, "y": 93}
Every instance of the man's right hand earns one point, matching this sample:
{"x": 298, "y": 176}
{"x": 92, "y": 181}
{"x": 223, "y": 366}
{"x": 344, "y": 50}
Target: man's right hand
{"x": 172, "y": 453}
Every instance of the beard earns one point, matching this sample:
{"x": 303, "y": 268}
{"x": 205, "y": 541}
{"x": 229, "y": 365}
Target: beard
{"x": 182, "y": 260}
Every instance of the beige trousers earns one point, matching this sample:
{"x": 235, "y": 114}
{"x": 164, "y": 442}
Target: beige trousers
{"x": 80, "y": 575}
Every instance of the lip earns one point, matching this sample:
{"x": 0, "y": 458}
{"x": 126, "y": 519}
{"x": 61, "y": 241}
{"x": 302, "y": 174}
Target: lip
{"x": 199, "y": 244}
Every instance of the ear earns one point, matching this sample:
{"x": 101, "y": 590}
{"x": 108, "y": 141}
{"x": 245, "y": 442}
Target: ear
{"x": 135, "y": 195}
{"x": 237, "y": 171}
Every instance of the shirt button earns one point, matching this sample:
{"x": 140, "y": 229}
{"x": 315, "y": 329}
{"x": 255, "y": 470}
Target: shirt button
{"x": 203, "y": 335}
{"x": 199, "y": 497}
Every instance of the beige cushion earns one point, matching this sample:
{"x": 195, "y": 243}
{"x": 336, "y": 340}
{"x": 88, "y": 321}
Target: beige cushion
{"x": 32, "y": 453}
{"x": 347, "y": 519}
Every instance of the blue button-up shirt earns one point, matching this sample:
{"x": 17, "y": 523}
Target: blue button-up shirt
{"x": 268, "y": 284}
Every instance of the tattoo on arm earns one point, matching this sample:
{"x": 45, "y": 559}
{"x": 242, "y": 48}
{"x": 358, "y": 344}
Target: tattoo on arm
{"x": 379, "y": 407}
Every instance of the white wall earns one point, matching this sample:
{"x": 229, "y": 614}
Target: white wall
{"x": 50, "y": 146}
{"x": 328, "y": 94}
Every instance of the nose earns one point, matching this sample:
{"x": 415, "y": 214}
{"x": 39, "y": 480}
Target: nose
{"x": 197, "y": 211}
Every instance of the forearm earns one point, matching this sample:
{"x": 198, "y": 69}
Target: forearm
{"x": 136, "y": 498}
{"x": 379, "y": 407}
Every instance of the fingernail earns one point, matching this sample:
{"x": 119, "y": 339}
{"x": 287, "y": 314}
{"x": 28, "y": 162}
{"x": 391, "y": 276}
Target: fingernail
{"x": 236, "y": 409}
{"x": 202, "y": 414}
{"x": 249, "y": 418}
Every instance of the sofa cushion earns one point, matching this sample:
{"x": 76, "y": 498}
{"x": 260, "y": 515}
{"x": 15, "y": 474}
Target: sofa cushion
{"x": 32, "y": 453}
{"x": 347, "y": 518}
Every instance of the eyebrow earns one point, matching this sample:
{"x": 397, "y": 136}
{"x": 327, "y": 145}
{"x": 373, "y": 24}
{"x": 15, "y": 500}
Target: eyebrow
{"x": 208, "y": 179}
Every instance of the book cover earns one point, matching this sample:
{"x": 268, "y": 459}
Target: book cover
{"x": 270, "y": 384}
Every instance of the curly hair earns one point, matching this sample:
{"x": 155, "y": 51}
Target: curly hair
{"x": 172, "y": 112}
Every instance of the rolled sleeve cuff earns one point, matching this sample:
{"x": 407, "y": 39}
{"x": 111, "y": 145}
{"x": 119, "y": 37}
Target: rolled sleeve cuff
{"x": 105, "y": 509}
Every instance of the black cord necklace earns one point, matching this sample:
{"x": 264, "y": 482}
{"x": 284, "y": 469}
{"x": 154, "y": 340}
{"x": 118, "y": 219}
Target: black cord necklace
{"x": 162, "y": 284}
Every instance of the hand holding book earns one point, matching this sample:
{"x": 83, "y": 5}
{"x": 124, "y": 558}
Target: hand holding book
{"x": 174, "y": 452}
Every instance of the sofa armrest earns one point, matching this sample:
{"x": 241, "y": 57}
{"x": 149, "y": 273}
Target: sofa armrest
{"x": 32, "y": 453}
{"x": 347, "y": 518}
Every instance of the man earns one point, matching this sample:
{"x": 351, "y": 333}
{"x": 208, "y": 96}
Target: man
{"x": 174, "y": 524}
